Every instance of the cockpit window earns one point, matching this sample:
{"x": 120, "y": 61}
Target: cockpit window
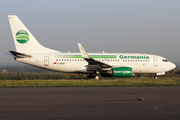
{"x": 165, "y": 60}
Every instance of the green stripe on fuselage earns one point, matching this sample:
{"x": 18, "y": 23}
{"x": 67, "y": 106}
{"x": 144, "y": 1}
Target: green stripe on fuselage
{"x": 103, "y": 56}
{"x": 92, "y": 56}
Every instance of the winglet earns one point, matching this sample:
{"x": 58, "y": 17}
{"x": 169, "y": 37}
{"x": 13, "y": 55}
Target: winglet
{"x": 83, "y": 52}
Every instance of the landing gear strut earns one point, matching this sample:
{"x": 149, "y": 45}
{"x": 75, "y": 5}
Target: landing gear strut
{"x": 97, "y": 77}
{"x": 90, "y": 76}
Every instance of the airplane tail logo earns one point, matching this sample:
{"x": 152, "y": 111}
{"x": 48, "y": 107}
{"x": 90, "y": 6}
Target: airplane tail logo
{"x": 24, "y": 41}
{"x": 22, "y": 36}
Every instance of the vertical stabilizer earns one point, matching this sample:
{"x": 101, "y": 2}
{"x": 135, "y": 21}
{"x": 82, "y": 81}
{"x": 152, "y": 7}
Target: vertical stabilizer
{"x": 24, "y": 41}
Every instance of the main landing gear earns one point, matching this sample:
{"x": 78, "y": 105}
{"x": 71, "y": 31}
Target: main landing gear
{"x": 97, "y": 77}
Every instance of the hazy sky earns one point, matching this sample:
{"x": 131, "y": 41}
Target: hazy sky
{"x": 135, "y": 26}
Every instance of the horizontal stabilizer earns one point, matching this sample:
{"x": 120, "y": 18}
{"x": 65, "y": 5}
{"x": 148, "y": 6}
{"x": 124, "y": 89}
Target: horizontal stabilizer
{"x": 19, "y": 55}
{"x": 9, "y": 54}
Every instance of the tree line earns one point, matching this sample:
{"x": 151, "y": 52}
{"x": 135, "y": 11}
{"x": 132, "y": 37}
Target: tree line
{"x": 39, "y": 76}
{"x": 30, "y": 73}
{"x": 54, "y": 76}
{"x": 172, "y": 73}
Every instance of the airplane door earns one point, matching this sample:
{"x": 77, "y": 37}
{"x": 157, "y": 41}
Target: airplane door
{"x": 155, "y": 61}
{"x": 46, "y": 60}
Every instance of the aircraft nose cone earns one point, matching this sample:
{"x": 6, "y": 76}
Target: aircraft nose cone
{"x": 172, "y": 65}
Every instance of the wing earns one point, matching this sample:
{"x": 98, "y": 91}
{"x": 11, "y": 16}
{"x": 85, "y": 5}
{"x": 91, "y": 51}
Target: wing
{"x": 92, "y": 63}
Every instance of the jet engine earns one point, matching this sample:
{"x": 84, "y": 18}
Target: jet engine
{"x": 118, "y": 72}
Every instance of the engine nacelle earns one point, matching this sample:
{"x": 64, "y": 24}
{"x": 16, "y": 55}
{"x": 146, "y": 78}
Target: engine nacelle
{"x": 118, "y": 72}
{"x": 122, "y": 71}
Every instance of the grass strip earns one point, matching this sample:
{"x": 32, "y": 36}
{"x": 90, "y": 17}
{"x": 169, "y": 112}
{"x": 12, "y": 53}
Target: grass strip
{"x": 132, "y": 81}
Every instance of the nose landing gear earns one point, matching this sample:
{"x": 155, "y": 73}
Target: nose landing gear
{"x": 155, "y": 77}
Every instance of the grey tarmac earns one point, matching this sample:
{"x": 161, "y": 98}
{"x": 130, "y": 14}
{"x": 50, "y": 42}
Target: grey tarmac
{"x": 90, "y": 103}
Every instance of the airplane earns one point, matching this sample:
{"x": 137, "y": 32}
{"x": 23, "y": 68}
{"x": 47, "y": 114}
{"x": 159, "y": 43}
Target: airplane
{"x": 97, "y": 65}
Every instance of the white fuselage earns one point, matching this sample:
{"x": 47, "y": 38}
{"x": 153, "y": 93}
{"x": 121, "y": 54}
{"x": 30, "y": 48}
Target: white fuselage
{"x": 74, "y": 63}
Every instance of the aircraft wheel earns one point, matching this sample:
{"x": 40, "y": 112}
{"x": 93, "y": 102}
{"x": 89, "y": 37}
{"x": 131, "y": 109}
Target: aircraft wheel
{"x": 155, "y": 77}
{"x": 97, "y": 77}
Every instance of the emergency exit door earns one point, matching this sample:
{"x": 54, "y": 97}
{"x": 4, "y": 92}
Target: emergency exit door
{"x": 155, "y": 59}
{"x": 46, "y": 60}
